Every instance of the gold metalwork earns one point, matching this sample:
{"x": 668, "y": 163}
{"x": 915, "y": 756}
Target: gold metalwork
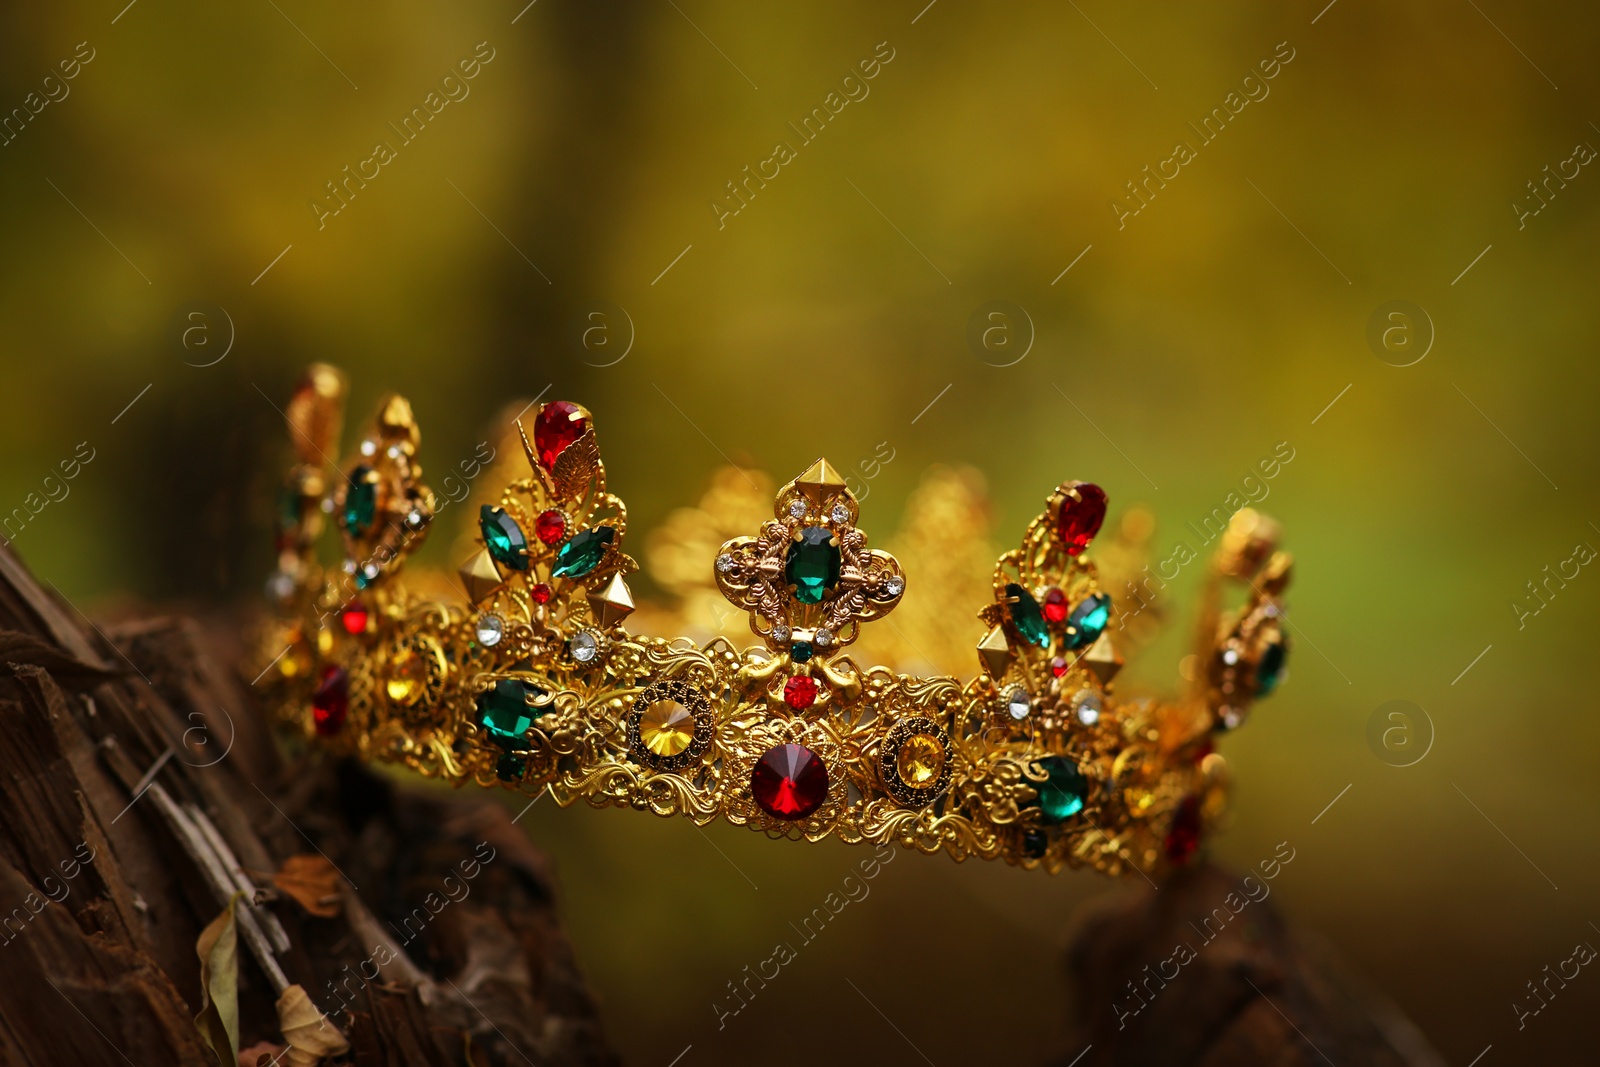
{"x": 675, "y": 725}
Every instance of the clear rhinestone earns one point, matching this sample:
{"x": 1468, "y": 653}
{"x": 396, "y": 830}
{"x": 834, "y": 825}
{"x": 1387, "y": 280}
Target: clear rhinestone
{"x": 1231, "y": 717}
{"x": 1230, "y": 657}
{"x": 368, "y": 448}
{"x": 490, "y": 630}
{"x": 894, "y": 586}
{"x": 724, "y": 563}
{"x": 281, "y": 586}
{"x": 349, "y": 566}
{"x": 1018, "y": 703}
{"x": 780, "y": 633}
{"x": 841, "y": 514}
{"x": 1087, "y": 703}
{"x": 414, "y": 519}
{"x": 370, "y": 570}
{"x": 823, "y": 637}
{"x": 585, "y": 647}
{"x": 394, "y": 451}
{"x": 797, "y": 509}
{"x": 327, "y": 504}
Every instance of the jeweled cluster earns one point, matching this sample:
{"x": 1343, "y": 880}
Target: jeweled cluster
{"x": 530, "y": 677}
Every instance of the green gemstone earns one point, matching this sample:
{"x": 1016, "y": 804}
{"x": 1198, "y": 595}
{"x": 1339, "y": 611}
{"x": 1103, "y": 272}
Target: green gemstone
{"x": 360, "y": 501}
{"x": 1026, "y": 616}
{"x": 1269, "y": 668}
{"x": 1063, "y": 794}
{"x": 506, "y": 711}
{"x": 510, "y": 768}
{"x": 1088, "y": 621}
{"x": 288, "y": 508}
{"x": 583, "y": 552}
{"x": 503, "y": 537}
{"x": 812, "y": 566}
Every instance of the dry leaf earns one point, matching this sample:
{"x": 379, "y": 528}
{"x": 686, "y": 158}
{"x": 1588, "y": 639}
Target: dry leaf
{"x": 218, "y": 1021}
{"x": 313, "y": 881}
{"x": 252, "y": 1056}
{"x": 309, "y": 1033}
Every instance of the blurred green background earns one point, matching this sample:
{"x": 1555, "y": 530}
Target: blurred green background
{"x": 578, "y": 176}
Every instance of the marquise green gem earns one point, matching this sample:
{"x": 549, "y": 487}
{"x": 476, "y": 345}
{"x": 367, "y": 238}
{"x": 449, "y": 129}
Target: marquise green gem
{"x": 1026, "y": 616}
{"x": 506, "y": 711}
{"x": 360, "y": 501}
{"x": 504, "y": 538}
{"x": 812, "y": 565}
{"x": 583, "y": 552}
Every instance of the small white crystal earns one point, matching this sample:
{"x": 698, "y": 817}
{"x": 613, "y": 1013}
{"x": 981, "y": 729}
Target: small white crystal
{"x": 894, "y": 586}
{"x": 841, "y": 514}
{"x": 724, "y": 563}
{"x": 585, "y": 647}
{"x": 1018, "y": 703}
{"x": 780, "y": 633}
{"x": 490, "y": 630}
{"x": 368, "y": 448}
{"x": 797, "y": 509}
{"x": 1088, "y": 705}
{"x": 823, "y": 637}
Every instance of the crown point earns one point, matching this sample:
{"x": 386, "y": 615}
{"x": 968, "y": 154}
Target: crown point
{"x": 613, "y": 603}
{"x": 820, "y": 481}
{"x": 396, "y": 421}
{"x": 480, "y": 576}
{"x": 994, "y": 652}
{"x": 1103, "y": 659}
{"x": 314, "y": 410}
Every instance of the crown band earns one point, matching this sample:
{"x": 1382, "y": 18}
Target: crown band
{"x": 526, "y": 675}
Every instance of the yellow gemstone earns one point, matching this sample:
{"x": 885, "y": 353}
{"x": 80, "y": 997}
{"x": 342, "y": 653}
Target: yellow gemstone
{"x": 404, "y": 684}
{"x": 920, "y": 760}
{"x": 666, "y": 727}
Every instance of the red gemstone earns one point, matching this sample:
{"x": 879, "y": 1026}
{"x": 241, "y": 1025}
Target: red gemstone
{"x": 789, "y": 782}
{"x": 558, "y": 425}
{"x": 541, "y": 593}
{"x": 1204, "y": 749}
{"x": 1184, "y": 837}
{"x": 551, "y": 526}
{"x": 354, "y": 619}
{"x": 1058, "y": 666}
{"x": 800, "y": 692}
{"x": 1055, "y": 605}
{"x": 1081, "y": 518}
{"x": 331, "y": 701}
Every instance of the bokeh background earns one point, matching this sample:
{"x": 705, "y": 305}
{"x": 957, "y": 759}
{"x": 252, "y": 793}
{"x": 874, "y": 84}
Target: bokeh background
{"x": 1162, "y": 354}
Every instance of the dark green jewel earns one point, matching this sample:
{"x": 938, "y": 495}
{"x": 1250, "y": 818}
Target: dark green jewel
{"x": 1062, "y": 794}
{"x": 506, "y": 711}
{"x": 583, "y": 552}
{"x": 1088, "y": 621}
{"x": 1269, "y": 668}
{"x": 800, "y": 651}
{"x": 1026, "y": 616}
{"x": 812, "y": 566}
{"x": 504, "y": 538}
{"x": 360, "y": 501}
{"x": 1035, "y": 843}
{"x": 510, "y": 768}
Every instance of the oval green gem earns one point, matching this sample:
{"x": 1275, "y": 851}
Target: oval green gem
{"x": 504, "y": 538}
{"x": 1269, "y": 668}
{"x": 812, "y": 565}
{"x": 1088, "y": 621}
{"x": 1063, "y": 794}
{"x": 360, "y": 501}
{"x": 1026, "y": 616}
{"x": 506, "y": 711}
{"x": 583, "y": 552}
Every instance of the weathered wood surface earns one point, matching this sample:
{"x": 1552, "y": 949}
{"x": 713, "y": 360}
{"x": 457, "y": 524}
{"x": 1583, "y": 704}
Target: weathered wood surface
{"x": 102, "y": 900}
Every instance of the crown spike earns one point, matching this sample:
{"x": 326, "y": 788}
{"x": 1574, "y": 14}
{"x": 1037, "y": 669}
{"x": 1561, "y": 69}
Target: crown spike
{"x": 820, "y": 481}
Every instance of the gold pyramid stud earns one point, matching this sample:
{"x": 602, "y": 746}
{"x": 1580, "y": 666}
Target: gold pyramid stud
{"x": 613, "y": 603}
{"x": 1103, "y": 659}
{"x": 994, "y": 652}
{"x": 480, "y": 576}
{"x": 820, "y": 481}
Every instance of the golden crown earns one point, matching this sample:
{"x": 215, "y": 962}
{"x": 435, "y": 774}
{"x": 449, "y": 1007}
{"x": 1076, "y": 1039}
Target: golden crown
{"x": 526, "y": 673}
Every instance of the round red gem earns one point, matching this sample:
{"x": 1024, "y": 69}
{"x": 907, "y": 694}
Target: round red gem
{"x": 1081, "y": 518}
{"x": 353, "y": 619}
{"x": 1058, "y": 666}
{"x": 541, "y": 593}
{"x": 550, "y": 526}
{"x": 789, "y": 782}
{"x": 558, "y": 425}
{"x": 800, "y": 692}
{"x": 331, "y": 701}
{"x": 1055, "y": 605}
{"x": 1184, "y": 837}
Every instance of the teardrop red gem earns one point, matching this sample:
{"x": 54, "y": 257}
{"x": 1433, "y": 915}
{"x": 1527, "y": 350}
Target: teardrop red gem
{"x": 1081, "y": 518}
{"x": 558, "y": 425}
{"x": 789, "y": 782}
{"x": 331, "y": 701}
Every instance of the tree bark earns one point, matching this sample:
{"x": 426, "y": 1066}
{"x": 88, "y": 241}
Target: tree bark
{"x": 108, "y": 873}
